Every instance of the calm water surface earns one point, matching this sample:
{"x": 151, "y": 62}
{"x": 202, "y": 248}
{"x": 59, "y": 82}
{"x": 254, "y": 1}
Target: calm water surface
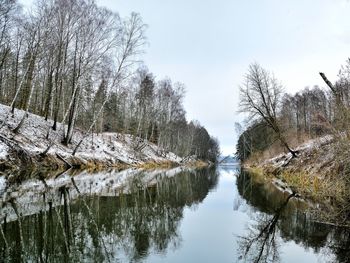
{"x": 210, "y": 215}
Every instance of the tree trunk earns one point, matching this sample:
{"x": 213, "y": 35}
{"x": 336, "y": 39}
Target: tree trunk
{"x": 29, "y": 97}
{"x": 75, "y": 94}
{"x": 49, "y": 95}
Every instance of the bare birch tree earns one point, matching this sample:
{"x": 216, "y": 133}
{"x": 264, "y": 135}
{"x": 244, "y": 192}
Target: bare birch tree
{"x": 260, "y": 96}
{"x": 132, "y": 41}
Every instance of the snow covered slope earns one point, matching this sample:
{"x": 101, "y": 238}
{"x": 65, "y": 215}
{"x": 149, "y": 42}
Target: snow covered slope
{"x": 104, "y": 149}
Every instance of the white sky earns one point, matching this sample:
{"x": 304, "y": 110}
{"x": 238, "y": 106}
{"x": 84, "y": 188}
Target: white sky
{"x": 208, "y": 45}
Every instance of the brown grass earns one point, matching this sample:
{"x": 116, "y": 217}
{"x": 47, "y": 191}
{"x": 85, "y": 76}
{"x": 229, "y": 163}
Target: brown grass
{"x": 314, "y": 187}
{"x": 320, "y": 174}
{"x": 157, "y": 165}
{"x": 197, "y": 164}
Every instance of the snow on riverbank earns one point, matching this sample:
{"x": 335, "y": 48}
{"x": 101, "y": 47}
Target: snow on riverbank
{"x": 303, "y": 150}
{"x": 107, "y": 148}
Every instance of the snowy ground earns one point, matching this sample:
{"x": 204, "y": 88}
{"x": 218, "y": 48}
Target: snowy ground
{"x": 304, "y": 150}
{"x": 110, "y": 148}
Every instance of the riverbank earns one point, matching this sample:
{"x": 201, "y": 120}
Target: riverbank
{"x": 29, "y": 148}
{"x": 316, "y": 175}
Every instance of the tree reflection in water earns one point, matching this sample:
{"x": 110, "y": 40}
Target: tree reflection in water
{"x": 282, "y": 218}
{"x": 260, "y": 244}
{"x": 146, "y": 218}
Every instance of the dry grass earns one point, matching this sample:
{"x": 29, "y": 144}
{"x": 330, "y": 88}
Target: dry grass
{"x": 312, "y": 186}
{"x": 320, "y": 174}
{"x": 197, "y": 164}
{"x": 157, "y": 165}
{"x": 331, "y": 193}
{"x": 258, "y": 172}
{"x": 255, "y": 159}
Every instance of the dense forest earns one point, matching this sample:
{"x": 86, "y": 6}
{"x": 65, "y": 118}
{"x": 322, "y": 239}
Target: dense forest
{"x": 280, "y": 120}
{"x": 79, "y": 64}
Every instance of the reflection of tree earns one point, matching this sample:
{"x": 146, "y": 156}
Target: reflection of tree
{"x": 339, "y": 245}
{"x": 280, "y": 217}
{"x": 99, "y": 228}
{"x": 260, "y": 244}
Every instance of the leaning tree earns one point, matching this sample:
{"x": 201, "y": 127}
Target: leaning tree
{"x": 260, "y": 97}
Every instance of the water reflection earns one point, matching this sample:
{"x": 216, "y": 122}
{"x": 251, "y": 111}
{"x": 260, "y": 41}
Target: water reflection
{"x": 136, "y": 216}
{"x": 65, "y": 221}
{"x": 278, "y": 218}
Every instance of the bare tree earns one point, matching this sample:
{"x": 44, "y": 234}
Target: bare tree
{"x": 74, "y": 62}
{"x": 132, "y": 41}
{"x": 260, "y": 96}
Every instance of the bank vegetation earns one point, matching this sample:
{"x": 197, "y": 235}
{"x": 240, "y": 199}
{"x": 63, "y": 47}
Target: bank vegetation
{"x": 302, "y": 139}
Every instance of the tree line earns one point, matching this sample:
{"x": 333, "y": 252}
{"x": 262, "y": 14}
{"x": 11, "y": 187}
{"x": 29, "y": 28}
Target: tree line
{"x": 284, "y": 119}
{"x": 78, "y": 64}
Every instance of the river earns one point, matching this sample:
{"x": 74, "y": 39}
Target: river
{"x": 180, "y": 215}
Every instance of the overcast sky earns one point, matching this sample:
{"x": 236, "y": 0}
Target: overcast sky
{"x": 208, "y": 45}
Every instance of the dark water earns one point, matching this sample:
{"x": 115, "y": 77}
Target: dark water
{"x": 210, "y": 215}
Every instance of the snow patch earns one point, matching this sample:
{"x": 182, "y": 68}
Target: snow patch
{"x": 283, "y": 160}
{"x": 3, "y": 151}
{"x": 2, "y": 184}
{"x": 36, "y": 134}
